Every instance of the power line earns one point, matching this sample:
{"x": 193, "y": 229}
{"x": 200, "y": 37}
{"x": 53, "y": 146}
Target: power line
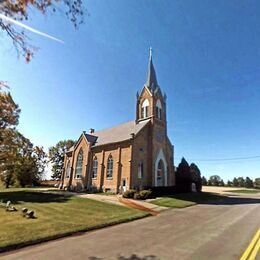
{"x": 226, "y": 159}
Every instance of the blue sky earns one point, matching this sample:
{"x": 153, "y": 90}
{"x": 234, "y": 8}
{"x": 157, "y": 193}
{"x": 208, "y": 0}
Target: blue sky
{"x": 206, "y": 55}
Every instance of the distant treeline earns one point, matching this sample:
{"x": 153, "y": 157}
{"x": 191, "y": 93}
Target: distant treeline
{"x": 216, "y": 180}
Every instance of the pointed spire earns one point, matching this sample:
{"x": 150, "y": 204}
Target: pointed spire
{"x": 151, "y": 82}
{"x": 151, "y": 53}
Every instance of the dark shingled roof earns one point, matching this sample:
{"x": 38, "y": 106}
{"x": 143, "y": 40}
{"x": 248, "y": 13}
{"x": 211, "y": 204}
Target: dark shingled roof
{"x": 90, "y": 138}
{"x": 118, "y": 133}
{"x": 114, "y": 134}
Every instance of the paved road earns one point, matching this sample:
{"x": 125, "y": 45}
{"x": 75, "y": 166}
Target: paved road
{"x": 200, "y": 232}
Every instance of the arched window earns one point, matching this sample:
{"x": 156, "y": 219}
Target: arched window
{"x": 145, "y": 106}
{"x": 68, "y": 170}
{"x": 140, "y": 170}
{"x": 79, "y": 165}
{"x": 94, "y": 167}
{"x": 158, "y": 109}
{"x": 160, "y": 173}
{"x": 110, "y": 166}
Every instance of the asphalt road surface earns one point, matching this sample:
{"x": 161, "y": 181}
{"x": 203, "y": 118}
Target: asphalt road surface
{"x": 206, "y": 231}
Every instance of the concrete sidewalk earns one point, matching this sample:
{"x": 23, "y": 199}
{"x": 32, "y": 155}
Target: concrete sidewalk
{"x": 119, "y": 200}
{"x": 143, "y": 205}
{"x": 113, "y": 199}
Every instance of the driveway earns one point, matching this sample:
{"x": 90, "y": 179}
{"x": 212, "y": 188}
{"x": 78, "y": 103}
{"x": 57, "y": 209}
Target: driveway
{"x": 206, "y": 231}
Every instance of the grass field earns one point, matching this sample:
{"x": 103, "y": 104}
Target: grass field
{"x": 186, "y": 199}
{"x": 56, "y": 216}
{"x": 249, "y": 191}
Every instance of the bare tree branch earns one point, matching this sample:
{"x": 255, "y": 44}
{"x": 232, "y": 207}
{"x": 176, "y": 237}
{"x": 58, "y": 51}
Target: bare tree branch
{"x": 18, "y": 10}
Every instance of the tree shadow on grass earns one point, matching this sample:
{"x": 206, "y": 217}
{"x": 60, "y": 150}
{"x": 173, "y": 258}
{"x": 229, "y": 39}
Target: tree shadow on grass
{"x": 214, "y": 199}
{"x": 18, "y": 197}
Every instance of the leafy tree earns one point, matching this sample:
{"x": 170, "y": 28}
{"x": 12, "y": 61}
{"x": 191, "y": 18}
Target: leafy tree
{"x": 56, "y": 157}
{"x": 196, "y": 176}
{"x": 215, "y": 180}
{"x": 7, "y": 175}
{"x": 183, "y": 169}
{"x": 222, "y": 183}
{"x": 7, "y": 156}
{"x": 195, "y": 172}
{"x": 183, "y": 179}
{"x": 40, "y": 161}
{"x": 20, "y": 10}
{"x": 9, "y": 111}
{"x": 257, "y": 183}
{"x": 18, "y": 158}
{"x": 204, "y": 181}
{"x": 25, "y": 171}
{"x": 241, "y": 182}
{"x": 235, "y": 182}
{"x": 229, "y": 183}
{"x": 29, "y": 163}
{"x": 249, "y": 183}
{"x": 187, "y": 174}
{"x": 9, "y": 118}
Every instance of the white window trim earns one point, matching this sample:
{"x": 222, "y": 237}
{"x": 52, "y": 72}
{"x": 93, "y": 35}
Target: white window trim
{"x": 77, "y": 175}
{"x": 110, "y": 169}
{"x": 161, "y": 156}
{"x": 140, "y": 170}
{"x": 95, "y": 166}
{"x": 145, "y": 108}
{"x": 68, "y": 171}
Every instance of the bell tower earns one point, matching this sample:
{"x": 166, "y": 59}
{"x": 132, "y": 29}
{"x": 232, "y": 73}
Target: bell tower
{"x": 151, "y": 103}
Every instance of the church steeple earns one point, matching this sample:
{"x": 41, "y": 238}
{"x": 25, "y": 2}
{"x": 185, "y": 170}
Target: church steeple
{"x": 151, "y": 81}
{"x": 150, "y": 102}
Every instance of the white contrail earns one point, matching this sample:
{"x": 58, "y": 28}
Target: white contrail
{"x": 8, "y": 19}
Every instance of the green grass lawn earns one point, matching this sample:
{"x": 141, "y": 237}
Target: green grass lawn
{"x": 250, "y": 191}
{"x": 105, "y": 193}
{"x": 173, "y": 203}
{"x": 56, "y": 216}
{"x": 186, "y": 199}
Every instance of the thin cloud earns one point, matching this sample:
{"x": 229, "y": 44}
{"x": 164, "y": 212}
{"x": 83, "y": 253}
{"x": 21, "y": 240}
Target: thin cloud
{"x": 29, "y": 28}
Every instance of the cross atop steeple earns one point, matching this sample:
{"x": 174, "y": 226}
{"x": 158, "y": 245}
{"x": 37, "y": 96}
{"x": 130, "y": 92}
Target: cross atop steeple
{"x": 151, "y": 81}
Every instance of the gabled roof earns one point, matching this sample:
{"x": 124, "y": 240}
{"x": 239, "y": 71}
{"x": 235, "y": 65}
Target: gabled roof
{"x": 114, "y": 134}
{"x": 119, "y": 133}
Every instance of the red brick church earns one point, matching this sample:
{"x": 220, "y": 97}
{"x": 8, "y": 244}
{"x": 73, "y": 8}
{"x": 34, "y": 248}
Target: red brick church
{"x": 134, "y": 155}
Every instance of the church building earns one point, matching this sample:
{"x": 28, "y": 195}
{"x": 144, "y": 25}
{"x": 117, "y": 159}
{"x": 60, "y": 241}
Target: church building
{"x": 134, "y": 155}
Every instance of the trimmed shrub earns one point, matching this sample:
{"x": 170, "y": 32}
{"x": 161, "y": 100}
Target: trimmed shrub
{"x": 129, "y": 194}
{"x": 137, "y": 196}
{"x": 143, "y": 195}
{"x": 198, "y": 186}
